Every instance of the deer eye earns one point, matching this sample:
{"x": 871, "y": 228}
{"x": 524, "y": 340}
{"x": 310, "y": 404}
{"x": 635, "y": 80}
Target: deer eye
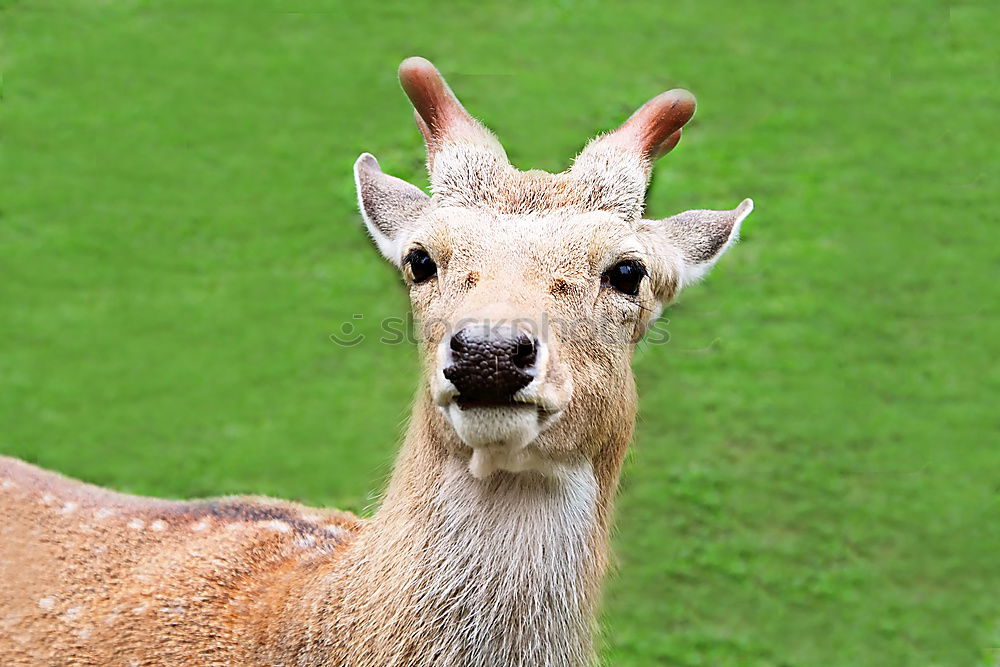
{"x": 626, "y": 276}
{"x": 421, "y": 265}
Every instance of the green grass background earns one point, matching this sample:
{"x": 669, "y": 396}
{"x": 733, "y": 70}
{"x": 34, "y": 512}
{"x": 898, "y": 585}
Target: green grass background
{"x": 815, "y": 476}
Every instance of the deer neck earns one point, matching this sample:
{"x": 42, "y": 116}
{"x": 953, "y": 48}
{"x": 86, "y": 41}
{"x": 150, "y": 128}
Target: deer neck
{"x": 461, "y": 571}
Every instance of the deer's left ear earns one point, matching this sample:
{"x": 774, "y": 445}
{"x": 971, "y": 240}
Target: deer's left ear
{"x": 388, "y": 204}
{"x": 697, "y": 239}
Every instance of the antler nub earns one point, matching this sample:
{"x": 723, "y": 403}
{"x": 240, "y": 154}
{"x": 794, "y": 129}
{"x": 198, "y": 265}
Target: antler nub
{"x": 439, "y": 115}
{"x": 617, "y": 165}
{"x": 436, "y": 106}
{"x": 655, "y": 128}
{"x": 651, "y": 132}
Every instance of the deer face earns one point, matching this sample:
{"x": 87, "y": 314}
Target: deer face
{"x": 531, "y": 289}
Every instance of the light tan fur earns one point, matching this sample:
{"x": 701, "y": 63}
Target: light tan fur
{"x": 490, "y": 545}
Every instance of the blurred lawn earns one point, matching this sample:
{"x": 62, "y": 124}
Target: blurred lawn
{"x": 815, "y": 478}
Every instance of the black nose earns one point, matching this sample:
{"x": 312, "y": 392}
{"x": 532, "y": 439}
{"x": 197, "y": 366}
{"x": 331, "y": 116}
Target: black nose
{"x": 490, "y": 368}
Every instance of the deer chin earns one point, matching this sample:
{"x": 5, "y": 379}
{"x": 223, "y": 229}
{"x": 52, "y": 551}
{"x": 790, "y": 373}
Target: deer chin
{"x": 501, "y": 437}
{"x": 510, "y": 427}
{"x": 501, "y": 434}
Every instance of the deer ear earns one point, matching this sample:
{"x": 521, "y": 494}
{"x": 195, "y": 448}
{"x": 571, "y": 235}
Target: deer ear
{"x": 388, "y": 204}
{"x": 698, "y": 238}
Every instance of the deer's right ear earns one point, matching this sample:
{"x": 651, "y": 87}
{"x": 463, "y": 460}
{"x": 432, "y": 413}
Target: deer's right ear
{"x": 695, "y": 239}
{"x": 388, "y": 204}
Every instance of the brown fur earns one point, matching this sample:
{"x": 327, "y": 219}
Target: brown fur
{"x": 89, "y": 576}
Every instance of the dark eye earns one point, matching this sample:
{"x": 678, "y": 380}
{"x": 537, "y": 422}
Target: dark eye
{"x": 421, "y": 265}
{"x": 626, "y": 276}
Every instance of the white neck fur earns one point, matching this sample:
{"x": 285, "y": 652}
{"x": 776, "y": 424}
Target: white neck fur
{"x": 508, "y": 570}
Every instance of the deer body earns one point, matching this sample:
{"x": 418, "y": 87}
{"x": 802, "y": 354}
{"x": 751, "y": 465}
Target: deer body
{"x": 509, "y": 570}
{"x": 490, "y": 545}
{"x": 91, "y": 577}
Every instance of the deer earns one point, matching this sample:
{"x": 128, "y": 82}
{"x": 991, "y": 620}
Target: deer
{"x": 491, "y": 541}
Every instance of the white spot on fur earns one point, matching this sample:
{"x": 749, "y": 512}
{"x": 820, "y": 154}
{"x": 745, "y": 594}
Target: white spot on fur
{"x": 234, "y": 526}
{"x": 7, "y": 485}
{"x": 136, "y": 524}
{"x": 159, "y": 525}
{"x": 68, "y": 508}
{"x": 277, "y": 526}
{"x": 84, "y": 633}
{"x": 103, "y": 513}
{"x": 48, "y": 499}
{"x": 72, "y": 614}
{"x": 305, "y": 541}
{"x": 99, "y": 549}
{"x": 141, "y": 608}
{"x": 312, "y": 518}
{"x": 47, "y": 602}
{"x": 175, "y": 609}
{"x": 200, "y": 526}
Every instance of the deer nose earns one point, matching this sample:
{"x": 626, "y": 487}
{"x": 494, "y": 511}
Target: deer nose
{"x": 490, "y": 369}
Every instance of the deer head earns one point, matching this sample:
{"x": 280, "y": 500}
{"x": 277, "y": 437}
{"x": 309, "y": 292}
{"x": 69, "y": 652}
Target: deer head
{"x": 531, "y": 289}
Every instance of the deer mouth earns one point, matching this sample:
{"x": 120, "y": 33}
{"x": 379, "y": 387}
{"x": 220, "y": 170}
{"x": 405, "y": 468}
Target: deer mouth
{"x": 472, "y": 403}
{"x": 508, "y": 422}
{"x": 545, "y": 414}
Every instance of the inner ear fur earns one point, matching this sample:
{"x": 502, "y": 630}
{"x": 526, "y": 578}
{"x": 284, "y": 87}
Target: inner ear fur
{"x": 389, "y": 205}
{"x": 695, "y": 239}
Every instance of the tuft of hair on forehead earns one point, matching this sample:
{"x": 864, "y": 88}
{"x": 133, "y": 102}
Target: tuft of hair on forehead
{"x": 469, "y": 168}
